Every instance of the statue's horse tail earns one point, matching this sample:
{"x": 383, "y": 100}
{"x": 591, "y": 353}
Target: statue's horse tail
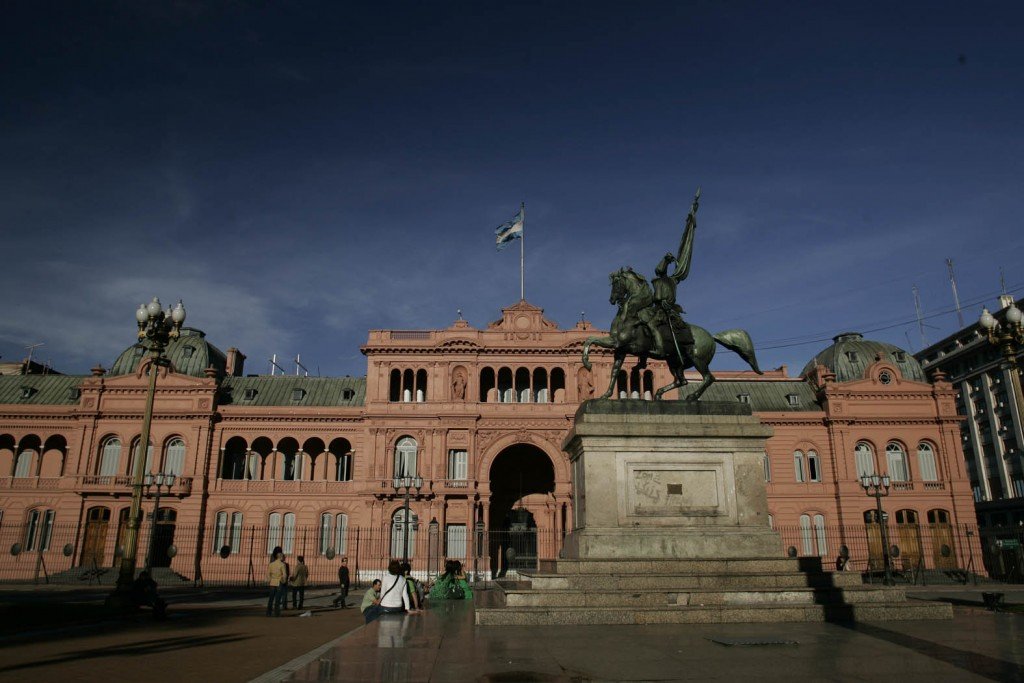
{"x": 739, "y": 342}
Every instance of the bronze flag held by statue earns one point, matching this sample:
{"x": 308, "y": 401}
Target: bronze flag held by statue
{"x": 649, "y": 322}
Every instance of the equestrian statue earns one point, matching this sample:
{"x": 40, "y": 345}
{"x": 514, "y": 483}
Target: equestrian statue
{"x": 649, "y": 322}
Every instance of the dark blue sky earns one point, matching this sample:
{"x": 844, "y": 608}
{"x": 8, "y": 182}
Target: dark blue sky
{"x": 302, "y": 172}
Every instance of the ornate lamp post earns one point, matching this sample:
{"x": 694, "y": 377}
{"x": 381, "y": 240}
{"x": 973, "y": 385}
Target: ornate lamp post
{"x": 407, "y": 483}
{"x": 159, "y": 480}
{"x": 158, "y": 328}
{"x": 878, "y": 487}
{"x": 1008, "y": 336}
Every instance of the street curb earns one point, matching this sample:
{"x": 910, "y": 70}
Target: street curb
{"x": 282, "y": 672}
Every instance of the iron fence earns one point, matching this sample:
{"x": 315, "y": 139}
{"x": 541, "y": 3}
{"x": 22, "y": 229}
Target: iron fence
{"x": 238, "y": 556}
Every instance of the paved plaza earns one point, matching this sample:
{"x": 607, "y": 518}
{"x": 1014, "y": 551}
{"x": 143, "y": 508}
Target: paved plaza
{"x": 444, "y": 645}
{"x": 214, "y": 636}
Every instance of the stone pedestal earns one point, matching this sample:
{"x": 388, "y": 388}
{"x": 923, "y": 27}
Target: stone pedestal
{"x": 668, "y": 480}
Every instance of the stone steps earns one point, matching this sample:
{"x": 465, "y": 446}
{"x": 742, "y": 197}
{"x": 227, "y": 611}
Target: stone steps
{"x": 592, "y": 582}
{"x": 718, "y": 614}
{"x": 662, "y": 598}
{"x": 639, "y": 565}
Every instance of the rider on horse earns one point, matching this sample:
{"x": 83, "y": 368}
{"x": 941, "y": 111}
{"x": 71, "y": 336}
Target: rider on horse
{"x": 664, "y": 318}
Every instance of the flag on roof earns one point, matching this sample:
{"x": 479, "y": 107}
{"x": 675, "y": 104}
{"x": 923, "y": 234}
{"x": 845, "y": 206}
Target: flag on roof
{"x": 511, "y": 230}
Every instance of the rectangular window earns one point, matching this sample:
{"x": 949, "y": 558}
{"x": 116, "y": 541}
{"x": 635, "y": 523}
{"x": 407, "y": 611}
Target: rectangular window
{"x": 44, "y": 541}
{"x": 236, "y": 532}
{"x": 24, "y": 465}
{"x": 31, "y": 529}
{"x": 813, "y": 469}
{"x": 819, "y": 533}
{"x": 1018, "y": 488}
{"x": 288, "y": 543}
{"x": 793, "y": 399}
{"x": 458, "y": 464}
{"x": 325, "y": 532}
{"x": 341, "y": 534}
{"x": 455, "y": 541}
{"x": 220, "y": 535}
{"x": 798, "y": 466}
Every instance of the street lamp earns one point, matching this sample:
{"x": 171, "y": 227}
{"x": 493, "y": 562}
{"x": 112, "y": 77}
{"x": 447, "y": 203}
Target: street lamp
{"x": 159, "y": 480}
{"x": 158, "y": 328}
{"x": 1008, "y": 336}
{"x": 878, "y": 487}
{"x": 407, "y": 483}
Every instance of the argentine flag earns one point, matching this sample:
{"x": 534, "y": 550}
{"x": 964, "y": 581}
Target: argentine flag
{"x": 509, "y": 231}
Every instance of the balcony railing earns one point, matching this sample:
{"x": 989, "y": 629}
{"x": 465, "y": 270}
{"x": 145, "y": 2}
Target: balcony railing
{"x": 280, "y": 486}
{"x": 30, "y": 483}
{"x": 116, "y": 484}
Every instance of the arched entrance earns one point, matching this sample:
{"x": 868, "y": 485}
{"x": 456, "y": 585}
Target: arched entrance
{"x": 163, "y": 539}
{"x": 522, "y": 482}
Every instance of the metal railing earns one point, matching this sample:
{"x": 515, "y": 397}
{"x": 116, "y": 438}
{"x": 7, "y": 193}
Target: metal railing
{"x": 66, "y": 553}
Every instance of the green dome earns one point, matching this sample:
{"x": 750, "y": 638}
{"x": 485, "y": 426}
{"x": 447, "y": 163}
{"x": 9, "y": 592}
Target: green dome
{"x": 851, "y": 354}
{"x": 190, "y": 354}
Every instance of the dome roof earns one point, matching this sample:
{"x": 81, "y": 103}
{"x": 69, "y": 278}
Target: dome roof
{"x": 190, "y": 354}
{"x": 851, "y": 354}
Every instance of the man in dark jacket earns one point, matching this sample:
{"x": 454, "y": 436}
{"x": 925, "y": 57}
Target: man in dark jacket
{"x": 343, "y": 580}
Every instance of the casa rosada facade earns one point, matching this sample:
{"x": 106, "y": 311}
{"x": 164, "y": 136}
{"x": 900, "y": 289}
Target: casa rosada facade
{"x": 478, "y": 415}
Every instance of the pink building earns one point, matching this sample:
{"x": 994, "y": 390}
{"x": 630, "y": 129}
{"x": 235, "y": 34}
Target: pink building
{"x": 478, "y": 415}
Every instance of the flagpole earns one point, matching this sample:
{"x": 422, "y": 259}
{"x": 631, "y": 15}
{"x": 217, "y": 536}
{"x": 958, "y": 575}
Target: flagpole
{"x": 522, "y": 252}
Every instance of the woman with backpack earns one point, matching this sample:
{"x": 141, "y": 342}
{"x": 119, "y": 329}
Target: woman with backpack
{"x": 451, "y": 585}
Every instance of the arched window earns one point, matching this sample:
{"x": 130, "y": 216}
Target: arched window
{"x": 174, "y": 457}
{"x": 487, "y": 384}
{"x": 506, "y": 392}
{"x": 234, "y": 458}
{"x": 334, "y": 532}
{"x": 540, "y": 385}
{"x": 926, "y": 462}
{"x": 897, "y": 461}
{"x": 865, "y": 460}
{"x": 395, "y": 386}
{"x": 522, "y": 385}
{"x": 39, "y": 529}
{"x": 812, "y": 535}
{"x": 23, "y": 464}
{"x": 110, "y": 458}
{"x": 421, "y": 386}
{"x": 228, "y": 531}
{"x": 798, "y": 466}
{"x": 148, "y": 466}
{"x": 405, "y": 457}
{"x": 399, "y": 527}
{"x": 281, "y": 532}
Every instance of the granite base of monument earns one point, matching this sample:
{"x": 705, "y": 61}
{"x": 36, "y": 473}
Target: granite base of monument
{"x": 671, "y": 526}
{"x": 668, "y": 480}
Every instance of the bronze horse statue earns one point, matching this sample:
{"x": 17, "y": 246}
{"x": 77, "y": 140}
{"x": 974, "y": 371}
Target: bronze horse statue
{"x": 630, "y": 335}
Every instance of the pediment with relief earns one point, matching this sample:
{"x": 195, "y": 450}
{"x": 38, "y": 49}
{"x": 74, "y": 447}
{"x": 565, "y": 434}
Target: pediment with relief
{"x": 523, "y": 317}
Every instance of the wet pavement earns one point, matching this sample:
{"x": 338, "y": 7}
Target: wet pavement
{"x": 443, "y": 644}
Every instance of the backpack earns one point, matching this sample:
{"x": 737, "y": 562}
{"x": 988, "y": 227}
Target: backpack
{"x": 453, "y": 591}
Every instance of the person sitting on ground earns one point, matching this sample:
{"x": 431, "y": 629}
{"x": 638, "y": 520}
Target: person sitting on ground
{"x": 143, "y": 594}
{"x": 412, "y": 585}
{"x": 451, "y": 585}
{"x": 370, "y": 597}
{"x": 394, "y": 598}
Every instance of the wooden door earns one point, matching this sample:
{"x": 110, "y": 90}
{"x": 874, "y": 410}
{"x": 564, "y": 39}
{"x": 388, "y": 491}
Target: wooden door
{"x": 95, "y": 540}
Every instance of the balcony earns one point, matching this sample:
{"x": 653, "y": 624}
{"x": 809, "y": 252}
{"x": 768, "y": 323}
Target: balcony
{"x": 281, "y": 486}
{"x": 903, "y": 486}
{"x": 30, "y": 483}
{"x": 120, "y": 484}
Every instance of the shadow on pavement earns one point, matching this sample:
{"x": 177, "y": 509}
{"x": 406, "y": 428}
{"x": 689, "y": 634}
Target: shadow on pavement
{"x": 974, "y": 662}
{"x": 135, "y": 649}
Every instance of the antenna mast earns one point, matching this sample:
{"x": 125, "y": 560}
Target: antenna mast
{"x": 28, "y": 362}
{"x": 956, "y": 297}
{"x": 273, "y": 364}
{"x": 298, "y": 364}
{"x": 920, "y": 319}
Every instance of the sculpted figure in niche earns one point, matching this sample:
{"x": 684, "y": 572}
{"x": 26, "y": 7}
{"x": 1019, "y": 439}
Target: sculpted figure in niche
{"x": 584, "y": 385}
{"x": 459, "y": 385}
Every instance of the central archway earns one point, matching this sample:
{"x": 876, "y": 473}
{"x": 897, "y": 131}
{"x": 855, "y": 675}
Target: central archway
{"x": 522, "y": 481}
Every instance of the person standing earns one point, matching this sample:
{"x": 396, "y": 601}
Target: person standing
{"x": 298, "y": 583}
{"x": 344, "y": 582}
{"x": 277, "y": 578}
